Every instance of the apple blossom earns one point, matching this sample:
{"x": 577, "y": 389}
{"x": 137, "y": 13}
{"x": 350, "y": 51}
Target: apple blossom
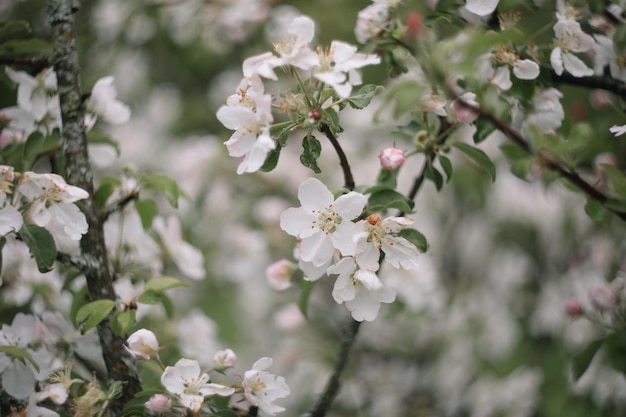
{"x": 224, "y": 359}
{"x": 103, "y": 102}
{"x": 158, "y": 403}
{"x": 187, "y": 258}
{"x": 17, "y": 376}
{"x": 279, "y": 274}
{"x": 482, "y": 7}
{"x": 261, "y": 388}
{"x": 142, "y": 344}
{"x": 391, "y": 158}
{"x": 322, "y": 223}
{"x": 570, "y": 38}
{"x": 190, "y": 384}
{"x": 464, "y": 113}
{"x": 573, "y": 307}
{"x": 295, "y": 50}
{"x": 36, "y": 94}
{"x": 360, "y": 290}
{"x": 372, "y": 20}
{"x": 618, "y": 130}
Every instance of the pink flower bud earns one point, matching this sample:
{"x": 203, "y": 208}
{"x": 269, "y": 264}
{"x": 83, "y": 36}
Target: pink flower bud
{"x": 279, "y": 274}
{"x": 573, "y": 307}
{"x": 602, "y": 299}
{"x": 391, "y": 158}
{"x": 464, "y": 113}
{"x": 158, "y": 403}
{"x": 413, "y": 25}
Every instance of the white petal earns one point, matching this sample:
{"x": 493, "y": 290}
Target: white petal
{"x": 350, "y": 205}
{"x": 314, "y": 195}
{"x": 502, "y": 78}
{"x": 10, "y": 220}
{"x": 482, "y": 7}
{"x": 556, "y": 60}
{"x": 576, "y": 66}
{"x": 525, "y": 69}
{"x": 297, "y": 222}
{"x": 317, "y": 249}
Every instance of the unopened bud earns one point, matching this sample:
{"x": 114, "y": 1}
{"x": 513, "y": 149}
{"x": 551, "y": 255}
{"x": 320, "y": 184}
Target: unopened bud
{"x": 466, "y": 111}
{"x": 315, "y": 115}
{"x": 225, "y": 359}
{"x": 413, "y": 25}
{"x": 158, "y": 403}
{"x": 279, "y": 274}
{"x": 391, "y": 158}
{"x": 573, "y": 307}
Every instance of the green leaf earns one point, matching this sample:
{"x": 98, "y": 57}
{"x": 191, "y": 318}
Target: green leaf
{"x": 615, "y": 349}
{"x": 121, "y": 321}
{"x": 365, "y": 95}
{"x": 387, "y": 178}
{"x": 581, "y": 361}
{"x": 24, "y": 47}
{"x": 163, "y": 184}
{"x": 93, "y": 313}
{"x": 332, "y": 120}
{"x": 19, "y": 353}
{"x": 416, "y": 238}
{"x": 78, "y": 301}
{"x": 41, "y": 245}
{"x": 479, "y": 157}
{"x": 433, "y": 174}
{"x": 105, "y": 189}
{"x": 37, "y": 144}
{"x": 483, "y": 129}
{"x": 272, "y": 158}
{"x": 161, "y": 284}
{"x": 100, "y": 137}
{"x": 147, "y": 210}
{"x": 384, "y": 198}
{"x": 617, "y": 205}
{"x": 303, "y": 301}
{"x": 14, "y": 29}
{"x": 617, "y": 178}
{"x": 445, "y": 163}
{"x": 405, "y": 96}
{"x": 595, "y": 210}
{"x": 311, "y": 151}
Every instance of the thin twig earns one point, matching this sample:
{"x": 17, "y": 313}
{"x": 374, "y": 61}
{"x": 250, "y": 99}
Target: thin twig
{"x": 549, "y": 160}
{"x": 118, "y": 206}
{"x": 345, "y": 166}
{"x": 605, "y": 82}
{"x": 332, "y": 386}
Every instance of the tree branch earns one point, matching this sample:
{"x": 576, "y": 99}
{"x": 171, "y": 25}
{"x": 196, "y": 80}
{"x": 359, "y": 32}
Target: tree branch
{"x": 97, "y": 269}
{"x": 549, "y": 161}
{"x": 332, "y": 386}
{"x": 600, "y": 82}
{"x": 345, "y": 166}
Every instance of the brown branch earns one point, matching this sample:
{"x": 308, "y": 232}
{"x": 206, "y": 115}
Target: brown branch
{"x": 549, "y": 160}
{"x": 118, "y": 206}
{"x": 607, "y": 83}
{"x": 97, "y": 268}
{"x": 343, "y": 160}
{"x": 332, "y": 386}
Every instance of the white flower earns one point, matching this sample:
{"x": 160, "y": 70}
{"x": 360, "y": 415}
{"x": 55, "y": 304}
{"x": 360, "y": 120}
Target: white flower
{"x": 142, "y": 344}
{"x": 338, "y": 67}
{"x": 360, "y": 290}
{"x": 371, "y": 21}
{"x": 18, "y": 377}
{"x": 433, "y": 103}
{"x": 224, "y": 359}
{"x": 51, "y": 200}
{"x": 186, "y": 380}
{"x": 378, "y": 234}
{"x": 10, "y": 220}
{"x": 570, "y": 38}
{"x": 295, "y": 50}
{"x": 250, "y": 116}
{"x": 103, "y": 102}
{"x": 322, "y": 223}
{"x": 618, "y": 130}
{"x": 262, "y": 388}
{"x": 547, "y": 113}
{"x": 261, "y": 65}
{"x": 187, "y": 258}
{"x": 482, "y": 7}
{"x": 34, "y": 94}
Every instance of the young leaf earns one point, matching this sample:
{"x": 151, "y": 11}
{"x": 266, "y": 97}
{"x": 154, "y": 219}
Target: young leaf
{"x": 121, "y": 321}
{"x": 311, "y": 151}
{"x": 41, "y": 245}
{"x": 272, "y": 159}
{"x": 93, "y": 313}
{"x": 105, "y": 189}
{"x": 615, "y": 349}
{"x": 164, "y": 184}
{"x": 161, "y": 284}
{"x": 416, "y": 238}
{"x": 581, "y": 361}
{"x": 19, "y": 353}
{"x": 433, "y": 174}
{"x": 147, "y": 210}
{"x": 37, "y": 143}
{"x": 445, "y": 163}
{"x": 385, "y": 198}
{"x": 23, "y": 47}
{"x": 387, "y": 178}
{"x": 14, "y": 29}
{"x": 617, "y": 178}
{"x": 479, "y": 157}
{"x": 595, "y": 210}
{"x": 365, "y": 95}
{"x": 303, "y": 301}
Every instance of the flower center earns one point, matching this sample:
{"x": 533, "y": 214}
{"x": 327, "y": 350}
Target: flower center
{"x": 327, "y": 219}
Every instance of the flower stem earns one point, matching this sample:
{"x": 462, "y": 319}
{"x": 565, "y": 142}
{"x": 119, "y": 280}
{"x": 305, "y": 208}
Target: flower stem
{"x": 343, "y": 160}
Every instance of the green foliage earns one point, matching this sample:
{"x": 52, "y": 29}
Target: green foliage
{"x": 105, "y": 190}
{"x": 161, "y": 284}
{"x": 581, "y": 361}
{"x": 97, "y": 136}
{"x": 122, "y": 321}
{"x": 615, "y": 350}
{"x": 446, "y": 165}
{"x": 595, "y": 210}
{"x": 383, "y": 198}
{"x": 365, "y": 95}
{"x": 38, "y": 144}
{"x": 311, "y": 150}
{"x": 479, "y": 157}
{"x": 154, "y": 292}
{"x": 163, "y": 184}
{"x": 41, "y": 246}
{"x": 93, "y": 313}
{"x": 416, "y": 238}
{"x": 305, "y": 294}
{"x": 387, "y": 178}
{"x": 272, "y": 158}
{"x": 431, "y": 173}
{"x": 147, "y": 209}
{"x": 403, "y": 96}
{"x": 24, "y": 47}
{"x": 617, "y": 179}
{"x": 520, "y": 161}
